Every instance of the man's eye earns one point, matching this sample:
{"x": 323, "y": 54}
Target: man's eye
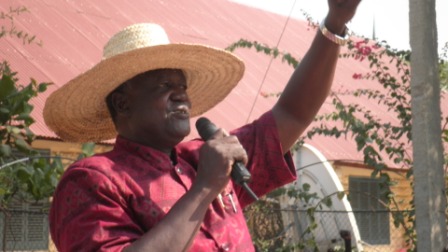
{"x": 172, "y": 85}
{"x": 164, "y": 84}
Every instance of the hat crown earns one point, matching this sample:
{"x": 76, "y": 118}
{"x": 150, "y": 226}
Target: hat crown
{"x": 134, "y": 37}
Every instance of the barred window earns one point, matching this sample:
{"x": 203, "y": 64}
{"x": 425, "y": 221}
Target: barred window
{"x": 24, "y": 227}
{"x": 367, "y": 200}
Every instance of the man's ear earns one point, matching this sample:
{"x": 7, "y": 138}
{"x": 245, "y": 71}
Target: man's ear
{"x": 120, "y": 103}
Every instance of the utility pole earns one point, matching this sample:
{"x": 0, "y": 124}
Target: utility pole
{"x": 429, "y": 185}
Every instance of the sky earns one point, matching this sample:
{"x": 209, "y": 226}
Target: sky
{"x": 391, "y": 17}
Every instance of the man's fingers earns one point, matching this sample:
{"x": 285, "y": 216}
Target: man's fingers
{"x": 239, "y": 154}
{"x": 220, "y": 133}
{"x": 229, "y": 146}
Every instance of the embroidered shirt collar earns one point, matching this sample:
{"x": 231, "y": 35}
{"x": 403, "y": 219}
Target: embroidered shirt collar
{"x": 157, "y": 158}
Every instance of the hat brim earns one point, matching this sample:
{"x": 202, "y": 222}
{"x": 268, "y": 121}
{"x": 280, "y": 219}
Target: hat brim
{"x": 77, "y": 111}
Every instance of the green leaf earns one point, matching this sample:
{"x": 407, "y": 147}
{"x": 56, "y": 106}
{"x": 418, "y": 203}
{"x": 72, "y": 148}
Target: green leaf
{"x": 445, "y": 135}
{"x": 22, "y": 145}
{"x": 24, "y": 172}
{"x": 306, "y": 187}
{"x": 374, "y": 173}
{"x": 7, "y": 86}
{"x": 40, "y": 163}
{"x": 5, "y": 150}
{"x": 87, "y": 150}
{"x": 4, "y": 110}
{"x": 369, "y": 150}
{"x": 12, "y": 129}
{"x": 42, "y": 87}
{"x": 23, "y": 116}
{"x": 54, "y": 180}
{"x": 327, "y": 202}
{"x": 29, "y": 134}
{"x": 39, "y": 174}
{"x": 57, "y": 165}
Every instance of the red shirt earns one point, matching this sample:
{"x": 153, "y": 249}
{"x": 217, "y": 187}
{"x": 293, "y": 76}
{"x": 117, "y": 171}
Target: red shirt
{"x": 105, "y": 202}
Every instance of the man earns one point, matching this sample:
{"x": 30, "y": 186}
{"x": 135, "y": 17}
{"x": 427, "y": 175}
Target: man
{"x": 152, "y": 192}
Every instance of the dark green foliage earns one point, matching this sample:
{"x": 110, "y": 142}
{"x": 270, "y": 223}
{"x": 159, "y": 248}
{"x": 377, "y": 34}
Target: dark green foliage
{"x": 23, "y": 172}
{"x": 377, "y": 140}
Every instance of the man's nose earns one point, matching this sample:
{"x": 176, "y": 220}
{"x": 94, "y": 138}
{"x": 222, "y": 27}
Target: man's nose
{"x": 180, "y": 94}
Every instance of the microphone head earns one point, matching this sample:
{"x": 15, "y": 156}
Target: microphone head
{"x": 205, "y": 128}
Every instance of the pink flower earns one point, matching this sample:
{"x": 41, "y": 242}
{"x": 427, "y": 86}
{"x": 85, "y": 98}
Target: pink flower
{"x": 359, "y": 43}
{"x": 366, "y": 50}
{"x": 357, "y": 76}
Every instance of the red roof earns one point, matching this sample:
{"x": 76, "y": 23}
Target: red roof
{"x": 73, "y": 34}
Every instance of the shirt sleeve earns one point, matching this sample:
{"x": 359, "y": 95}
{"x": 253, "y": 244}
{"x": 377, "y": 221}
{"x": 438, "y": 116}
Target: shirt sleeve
{"x": 268, "y": 166}
{"x": 88, "y": 213}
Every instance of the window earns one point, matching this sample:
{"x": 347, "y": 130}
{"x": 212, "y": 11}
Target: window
{"x": 24, "y": 226}
{"x": 372, "y": 217}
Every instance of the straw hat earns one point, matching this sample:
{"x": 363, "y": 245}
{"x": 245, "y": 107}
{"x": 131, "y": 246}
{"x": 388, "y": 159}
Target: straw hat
{"x": 77, "y": 111}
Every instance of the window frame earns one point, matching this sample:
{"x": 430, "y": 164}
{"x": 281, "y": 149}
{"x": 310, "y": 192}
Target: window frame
{"x": 367, "y": 199}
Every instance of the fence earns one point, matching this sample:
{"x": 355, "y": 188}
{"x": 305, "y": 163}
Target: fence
{"x": 27, "y": 230}
{"x": 24, "y": 229}
{"x": 370, "y": 231}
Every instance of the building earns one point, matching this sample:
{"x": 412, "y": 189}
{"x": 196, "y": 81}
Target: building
{"x": 73, "y": 34}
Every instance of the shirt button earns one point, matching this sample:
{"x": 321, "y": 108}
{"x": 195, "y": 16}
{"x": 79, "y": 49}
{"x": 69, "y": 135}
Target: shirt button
{"x": 225, "y": 246}
{"x": 179, "y": 170}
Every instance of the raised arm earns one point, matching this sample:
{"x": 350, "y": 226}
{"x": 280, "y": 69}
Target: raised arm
{"x": 311, "y": 82}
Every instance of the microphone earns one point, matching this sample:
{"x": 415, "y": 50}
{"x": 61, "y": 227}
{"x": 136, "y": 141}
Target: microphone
{"x": 239, "y": 173}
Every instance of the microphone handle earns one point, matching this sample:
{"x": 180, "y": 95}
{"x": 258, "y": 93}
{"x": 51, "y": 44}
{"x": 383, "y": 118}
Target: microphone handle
{"x": 239, "y": 173}
{"x": 241, "y": 176}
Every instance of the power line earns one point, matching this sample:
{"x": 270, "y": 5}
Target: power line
{"x": 270, "y": 62}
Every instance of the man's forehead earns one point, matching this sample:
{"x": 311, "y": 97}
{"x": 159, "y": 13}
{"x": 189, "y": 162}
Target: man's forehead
{"x": 157, "y": 74}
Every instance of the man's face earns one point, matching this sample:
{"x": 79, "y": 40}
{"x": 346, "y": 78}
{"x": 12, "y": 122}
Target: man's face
{"x": 159, "y": 109}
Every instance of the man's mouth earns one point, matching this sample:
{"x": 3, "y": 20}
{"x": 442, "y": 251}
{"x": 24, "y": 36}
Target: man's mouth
{"x": 181, "y": 111}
